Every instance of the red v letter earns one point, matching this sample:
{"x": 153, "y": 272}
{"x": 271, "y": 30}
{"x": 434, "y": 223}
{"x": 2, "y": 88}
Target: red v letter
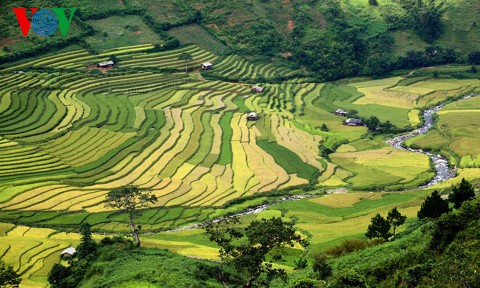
{"x": 23, "y": 19}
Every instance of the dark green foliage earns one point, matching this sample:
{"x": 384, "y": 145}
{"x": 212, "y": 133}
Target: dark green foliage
{"x": 380, "y": 228}
{"x": 395, "y": 218}
{"x": 59, "y": 277}
{"x": 301, "y": 263}
{"x": 372, "y": 123}
{"x": 349, "y": 279}
{"x": 87, "y": 245}
{"x": 474, "y": 58}
{"x": 461, "y": 193}
{"x": 433, "y": 207}
{"x": 428, "y": 23}
{"x": 8, "y": 276}
{"x": 113, "y": 58}
{"x": 324, "y": 128}
{"x": 321, "y": 267}
{"x": 129, "y": 199}
{"x": 373, "y": 2}
{"x": 473, "y": 69}
{"x": 246, "y": 251}
{"x": 306, "y": 283}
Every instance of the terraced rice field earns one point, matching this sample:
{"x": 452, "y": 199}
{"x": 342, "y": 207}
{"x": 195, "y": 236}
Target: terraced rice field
{"x": 68, "y": 137}
{"x": 456, "y": 134}
{"x": 69, "y": 134}
{"x": 33, "y": 251}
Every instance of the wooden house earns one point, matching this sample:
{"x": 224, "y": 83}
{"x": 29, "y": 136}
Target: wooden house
{"x": 353, "y": 122}
{"x": 69, "y": 252}
{"x": 207, "y": 66}
{"x": 257, "y": 89}
{"x": 105, "y": 64}
{"x": 340, "y": 112}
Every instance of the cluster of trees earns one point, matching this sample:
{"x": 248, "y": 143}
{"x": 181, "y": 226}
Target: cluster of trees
{"x": 381, "y": 227}
{"x": 434, "y": 206}
{"x": 68, "y": 277}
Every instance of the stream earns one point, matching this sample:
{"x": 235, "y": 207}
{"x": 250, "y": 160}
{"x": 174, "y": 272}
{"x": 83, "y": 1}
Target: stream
{"x": 443, "y": 171}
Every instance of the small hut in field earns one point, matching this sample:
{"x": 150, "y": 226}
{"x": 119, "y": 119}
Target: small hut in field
{"x": 207, "y": 66}
{"x": 252, "y": 116}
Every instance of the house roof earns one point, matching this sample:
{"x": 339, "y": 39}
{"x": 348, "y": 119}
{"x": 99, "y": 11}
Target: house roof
{"x": 206, "y": 64}
{"x": 69, "y": 250}
{"x": 105, "y": 63}
{"x": 257, "y": 88}
{"x": 252, "y": 114}
{"x": 340, "y": 111}
{"x": 354, "y": 121}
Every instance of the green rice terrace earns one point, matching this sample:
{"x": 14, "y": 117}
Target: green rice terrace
{"x": 70, "y": 134}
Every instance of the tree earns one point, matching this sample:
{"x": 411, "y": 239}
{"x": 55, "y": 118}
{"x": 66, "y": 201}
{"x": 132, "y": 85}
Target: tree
{"x": 60, "y": 276}
{"x": 379, "y": 228}
{"x": 350, "y": 279}
{"x": 433, "y": 207}
{"x": 324, "y": 128}
{"x": 461, "y": 193}
{"x": 428, "y": 19}
{"x": 321, "y": 267}
{"x": 129, "y": 199}
{"x": 474, "y": 58}
{"x": 113, "y": 58}
{"x": 373, "y": 2}
{"x": 245, "y": 251}
{"x": 372, "y": 123}
{"x": 395, "y": 218}
{"x": 8, "y": 276}
{"x": 87, "y": 244}
{"x": 185, "y": 57}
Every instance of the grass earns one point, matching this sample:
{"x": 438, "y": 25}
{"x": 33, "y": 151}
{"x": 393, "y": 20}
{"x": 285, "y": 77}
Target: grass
{"x": 197, "y": 35}
{"x": 116, "y": 31}
{"x": 226, "y": 148}
{"x": 289, "y": 160}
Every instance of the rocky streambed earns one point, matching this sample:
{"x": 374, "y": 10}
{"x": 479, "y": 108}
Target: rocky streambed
{"x": 443, "y": 171}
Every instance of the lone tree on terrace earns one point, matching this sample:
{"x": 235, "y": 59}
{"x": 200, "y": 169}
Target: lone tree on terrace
{"x": 129, "y": 199}
{"x": 187, "y": 57}
{"x": 395, "y": 218}
{"x": 380, "y": 228}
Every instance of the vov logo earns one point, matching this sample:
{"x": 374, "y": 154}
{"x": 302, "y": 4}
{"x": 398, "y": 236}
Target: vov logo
{"x": 44, "y": 22}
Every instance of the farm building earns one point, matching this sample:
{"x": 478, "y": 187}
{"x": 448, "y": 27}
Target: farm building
{"x": 70, "y": 251}
{"x": 252, "y": 116}
{"x": 207, "y": 66}
{"x": 353, "y": 122}
{"x": 106, "y": 64}
{"x": 257, "y": 89}
{"x": 340, "y": 112}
